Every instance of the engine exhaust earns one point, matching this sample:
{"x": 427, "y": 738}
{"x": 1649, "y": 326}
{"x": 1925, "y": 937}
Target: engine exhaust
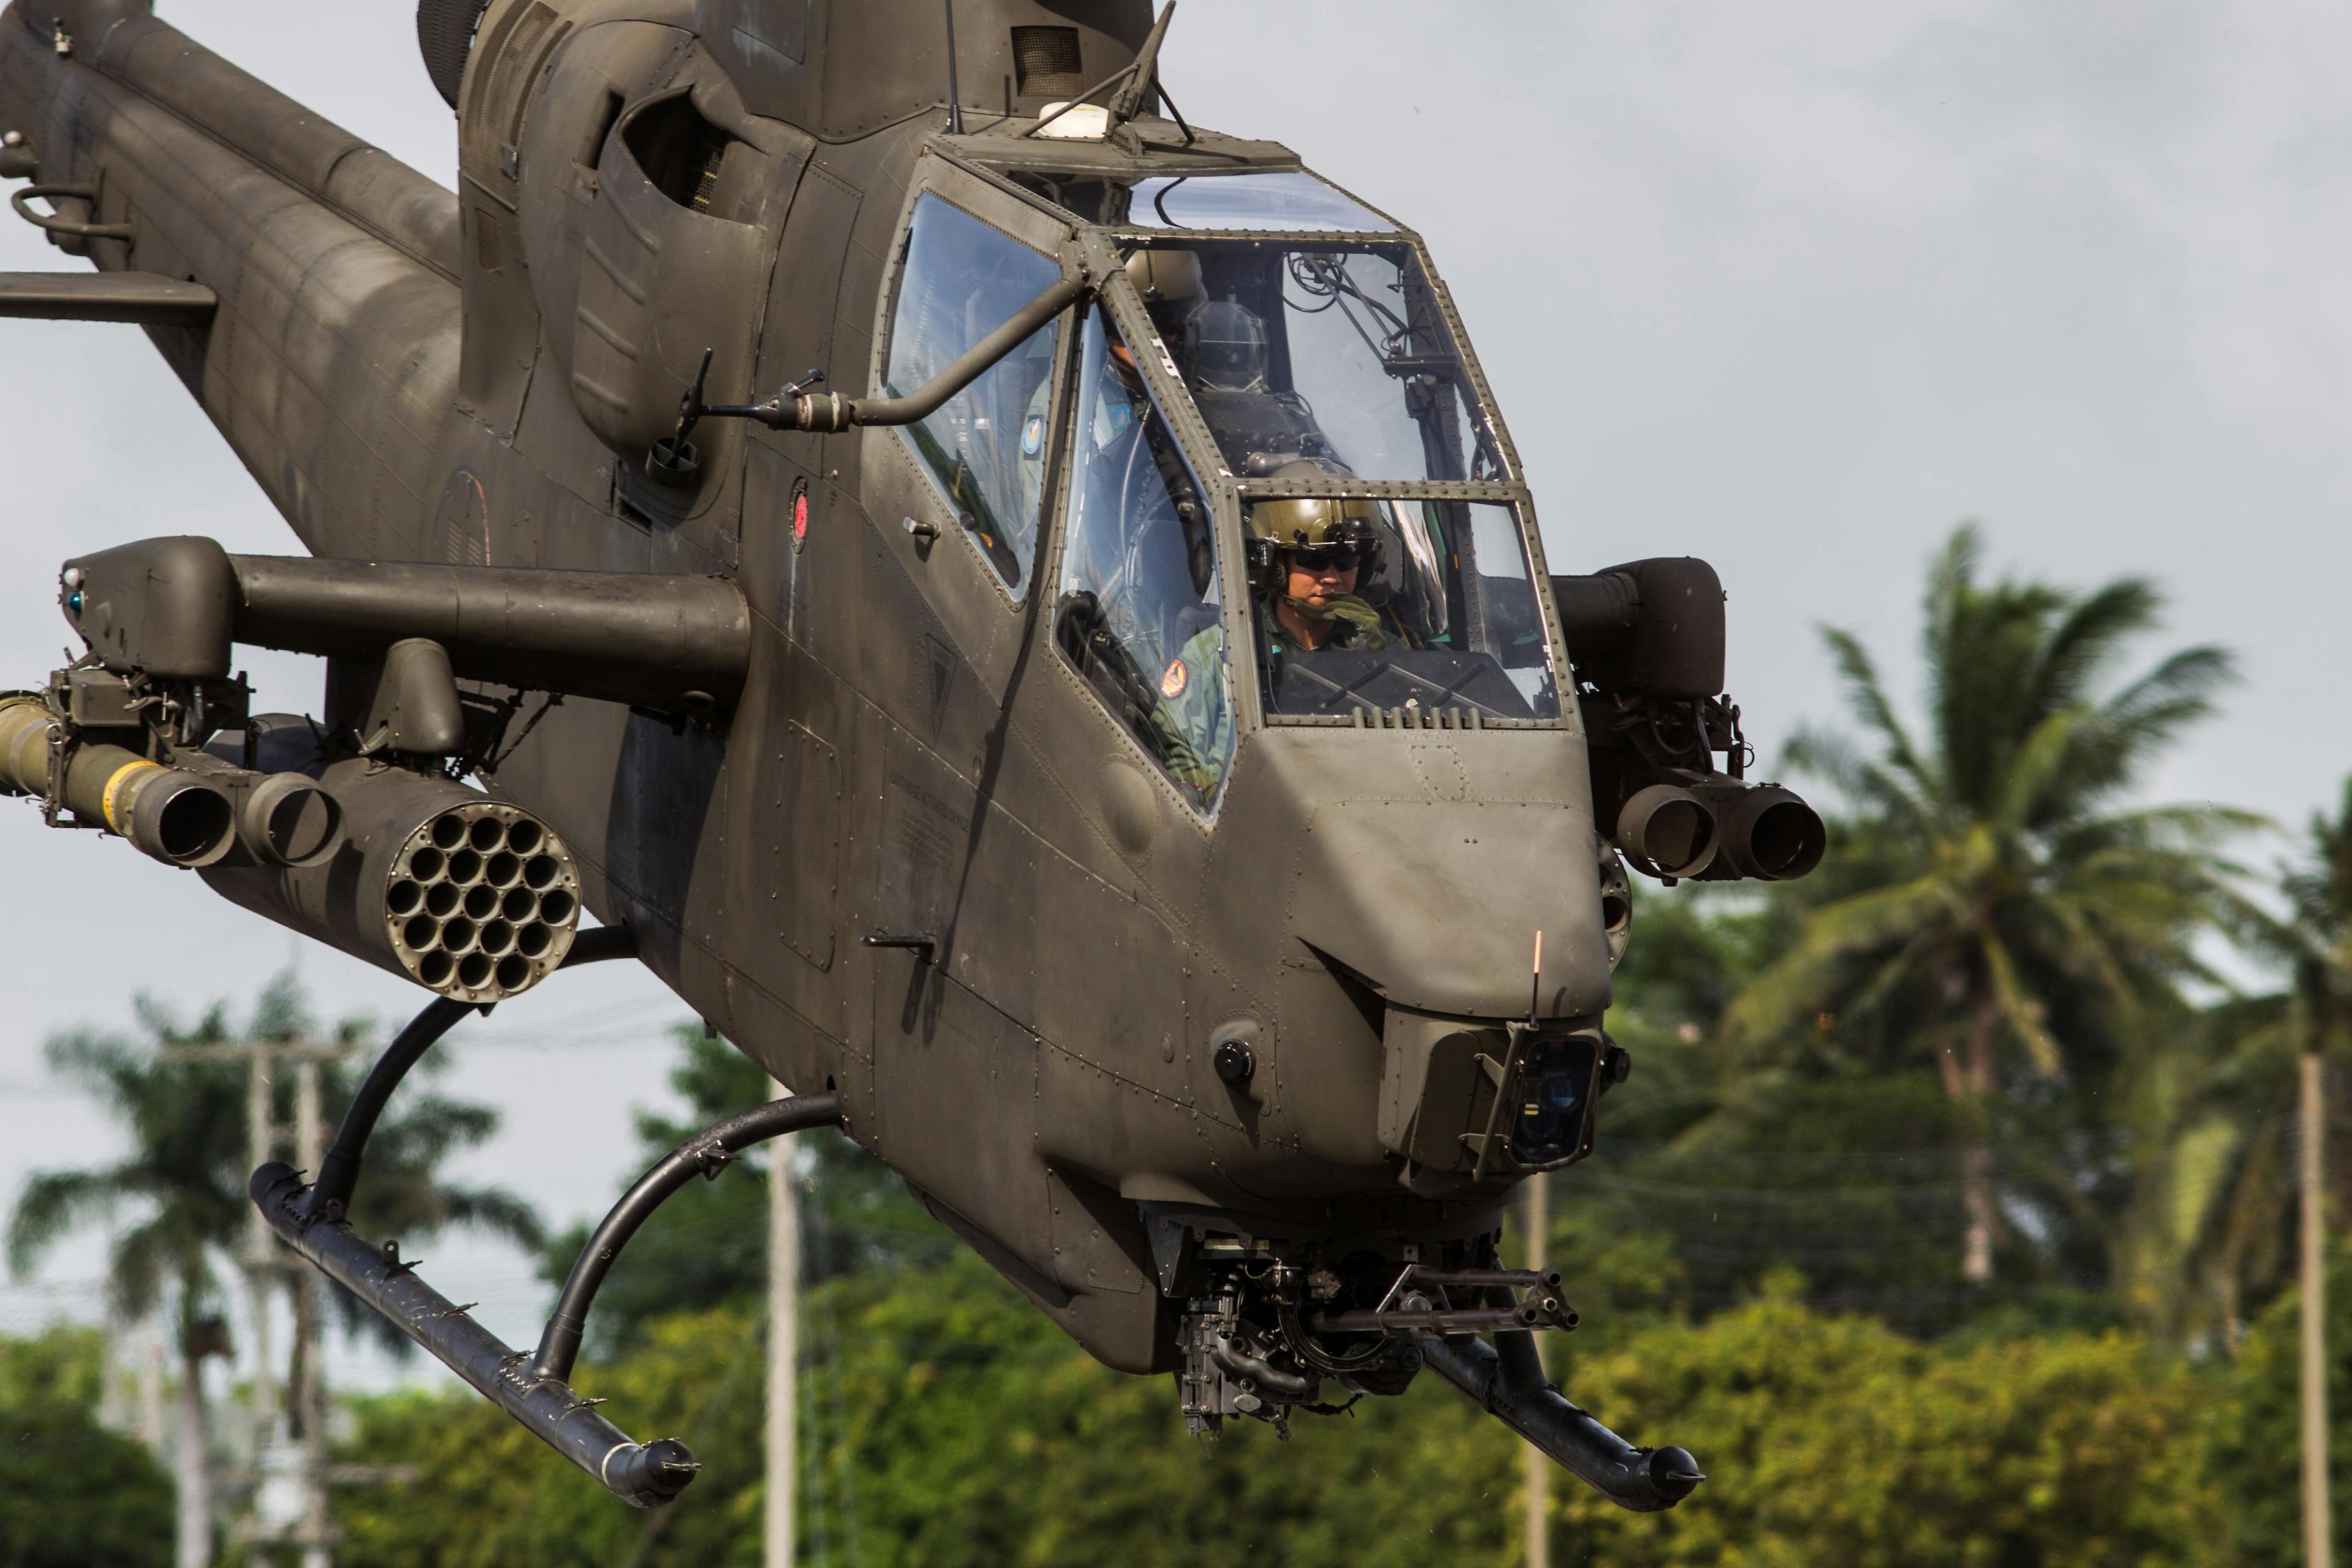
{"x": 471, "y": 897}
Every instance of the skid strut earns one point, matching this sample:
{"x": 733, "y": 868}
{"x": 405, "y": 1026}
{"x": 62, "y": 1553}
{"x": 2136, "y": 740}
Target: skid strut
{"x": 532, "y": 1387}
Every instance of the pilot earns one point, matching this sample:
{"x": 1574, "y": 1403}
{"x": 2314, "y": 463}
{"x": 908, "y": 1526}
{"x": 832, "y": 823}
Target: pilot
{"x": 1308, "y": 557}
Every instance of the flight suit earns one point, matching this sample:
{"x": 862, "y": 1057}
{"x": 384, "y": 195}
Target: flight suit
{"x": 1355, "y": 624}
{"x": 1194, "y": 718}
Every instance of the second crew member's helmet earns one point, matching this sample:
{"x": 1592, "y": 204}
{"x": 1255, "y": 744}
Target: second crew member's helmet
{"x": 1226, "y": 342}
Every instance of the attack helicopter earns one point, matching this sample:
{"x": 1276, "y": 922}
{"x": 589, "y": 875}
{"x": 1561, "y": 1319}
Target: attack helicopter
{"x": 1134, "y": 770}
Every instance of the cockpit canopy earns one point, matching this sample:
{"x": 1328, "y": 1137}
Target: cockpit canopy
{"x": 1270, "y": 201}
{"x": 1318, "y": 351}
{"x": 1285, "y": 355}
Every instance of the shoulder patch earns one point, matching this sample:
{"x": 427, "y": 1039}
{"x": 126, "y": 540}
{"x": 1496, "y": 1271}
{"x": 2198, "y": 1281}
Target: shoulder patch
{"x": 1174, "y": 679}
{"x": 1033, "y": 435}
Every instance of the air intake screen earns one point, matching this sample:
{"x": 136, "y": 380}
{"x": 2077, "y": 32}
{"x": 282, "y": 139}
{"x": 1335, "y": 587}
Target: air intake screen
{"x": 1045, "y": 62}
{"x": 681, "y": 152}
{"x": 445, "y": 32}
{"x": 515, "y": 54}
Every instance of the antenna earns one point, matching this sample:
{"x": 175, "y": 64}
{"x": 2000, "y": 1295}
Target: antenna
{"x": 1128, "y": 102}
{"x": 955, "y": 102}
{"x": 1535, "y": 984}
{"x": 1131, "y": 79}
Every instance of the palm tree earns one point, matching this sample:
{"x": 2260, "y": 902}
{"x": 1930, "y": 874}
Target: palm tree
{"x": 2236, "y": 1196}
{"x": 2315, "y": 939}
{"x": 1991, "y": 906}
{"x": 185, "y": 1180}
{"x": 186, "y": 1122}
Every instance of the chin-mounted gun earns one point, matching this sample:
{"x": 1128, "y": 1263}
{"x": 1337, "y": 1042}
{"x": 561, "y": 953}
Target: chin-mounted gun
{"x": 1647, "y": 641}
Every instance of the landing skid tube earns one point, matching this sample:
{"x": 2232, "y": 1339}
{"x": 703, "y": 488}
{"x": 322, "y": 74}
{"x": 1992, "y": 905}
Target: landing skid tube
{"x": 533, "y": 1386}
{"x": 645, "y": 1474}
{"x": 1507, "y": 1379}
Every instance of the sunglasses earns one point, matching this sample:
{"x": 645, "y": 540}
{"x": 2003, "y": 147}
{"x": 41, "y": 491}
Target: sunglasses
{"x": 1334, "y": 557}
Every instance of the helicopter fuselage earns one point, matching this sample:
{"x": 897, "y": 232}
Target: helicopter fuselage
{"x": 1148, "y": 937}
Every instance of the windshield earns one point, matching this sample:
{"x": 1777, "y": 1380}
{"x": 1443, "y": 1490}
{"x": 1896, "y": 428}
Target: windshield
{"x": 1139, "y": 611}
{"x": 1408, "y": 607}
{"x": 1336, "y": 357}
{"x": 985, "y": 447}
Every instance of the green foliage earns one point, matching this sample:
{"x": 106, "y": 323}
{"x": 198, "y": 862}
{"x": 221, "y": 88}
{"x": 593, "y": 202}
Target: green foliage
{"x": 63, "y": 1365}
{"x": 1831, "y": 1439}
{"x": 2257, "y": 1455}
{"x": 185, "y": 1180}
{"x": 488, "y": 1494}
{"x": 968, "y": 1432}
{"x": 947, "y": 1424}
{"x": 1992, "y": 920}
{"x": 186, "y": 1122}
{"x": 72, "y": 1493}
{"x": 707, "y": 1246}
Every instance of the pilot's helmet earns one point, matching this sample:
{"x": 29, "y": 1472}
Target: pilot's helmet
{"x": 1310, "y": 526}
{"x": 1166, "y": 277}
{"x": 1228, "y": 347}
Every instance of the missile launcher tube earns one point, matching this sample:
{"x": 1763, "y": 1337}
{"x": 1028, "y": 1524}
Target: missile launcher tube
{"x": 170, "y": 813}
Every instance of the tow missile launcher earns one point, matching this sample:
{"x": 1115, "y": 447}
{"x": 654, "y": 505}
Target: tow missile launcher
{"x": 1021, "y": 610}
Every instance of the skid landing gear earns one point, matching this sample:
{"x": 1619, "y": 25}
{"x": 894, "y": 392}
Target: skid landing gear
{"x": 533, "y": 1386}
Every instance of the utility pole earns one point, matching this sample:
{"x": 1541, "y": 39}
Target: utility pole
{"x": 264, "y": 1261}
{"x": 2318, "y": 1546}
{"x": 1534, "y": 1465}
{"x": 309, "y": 1391}
{"x": 259, "y": 1258}
{"x": 784, "y": 1349}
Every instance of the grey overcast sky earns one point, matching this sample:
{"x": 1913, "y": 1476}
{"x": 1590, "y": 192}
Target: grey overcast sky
{"x": 1794, "y": 288}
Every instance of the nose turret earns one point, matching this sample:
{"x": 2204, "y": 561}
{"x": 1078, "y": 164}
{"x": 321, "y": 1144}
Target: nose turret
{"x": 1387, "y": 887}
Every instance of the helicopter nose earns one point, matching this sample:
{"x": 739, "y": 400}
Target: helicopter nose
{"x": 1438, "y": 903}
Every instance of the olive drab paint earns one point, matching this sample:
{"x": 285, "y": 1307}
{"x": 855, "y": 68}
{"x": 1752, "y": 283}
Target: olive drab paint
{"x": 968, "y": 754}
